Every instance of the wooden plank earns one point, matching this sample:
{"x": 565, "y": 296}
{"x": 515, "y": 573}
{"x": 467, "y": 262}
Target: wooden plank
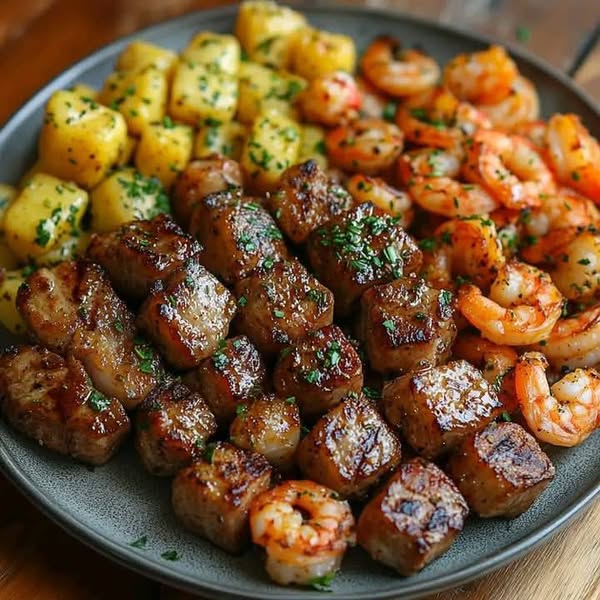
{"x": 588, "y": 75}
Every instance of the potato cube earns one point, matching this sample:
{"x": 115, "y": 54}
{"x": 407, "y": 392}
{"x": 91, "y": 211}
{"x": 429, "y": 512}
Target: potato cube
{"x": 127, "y": 152}
{"x": 124, "y": 196}
{"x": 280, "y": 304}
{"x": 7, "y": 194}
{"x": 187, "y": 315}
{"x": 436, "y": 408}
{"x": 212, "y": 497}
{"x": 69, "y": 247}
{"x": 406, "y": 325}
{"x": 233, "y": 374}
{"x": 82, "y": 89}
{"x": 271, "y": 147}
{"x": 313, "y": 146}
{"x": 164, "y": 150}
{"x": 361, "y": 248}
{"x": 319, "y": 371}
{"x": 225, "y": 139}
{"x": 413, "y": 519}
{"x": 201, "y": 92}
{"x": 80, "y": 140}
{"x": 140, "y": 96}
{"x": 208, "y": 48}
{"x": 44, "y": 211}
{"x": 318, "y": 52}
{"x": 10, "y": 317}
{"x": 500, "y": 470}
{"x": 139, "y": 55}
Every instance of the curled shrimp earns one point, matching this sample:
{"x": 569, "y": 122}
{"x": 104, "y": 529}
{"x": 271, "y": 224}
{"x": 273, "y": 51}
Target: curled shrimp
{"x": 534, "y": 131}
{"x": 331, "y": 99}
{"x": 304, "y": 529}
{"x": 373, "y": 103}
{"x": 522, "y": 307}
{"x": 397, "y": 71}
{"x": 509, "y": 167}
{"x": 564, "y": 414}
{"x": 427, "y": 162}
{"x": 574, "y": 155}
{"x": 366, "y": 146}
{"x": 484, "y": 77}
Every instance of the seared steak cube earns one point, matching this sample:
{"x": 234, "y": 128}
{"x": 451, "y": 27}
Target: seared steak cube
{"x": 500, "y": 470}
{"x": 212, "y": 496}
{"x": 406, "y": 324}
{"x": 361, "y": 248}
{"x": 280, "y": 304}
{"x": 413, "y": 519}
{"x": 172, "y": 428}
{"x": 187, "y": 315}
{"x": 142, "y": 252}
{"x": 319, "y": 371}
{"x": 349, "y": 448}
{"x": 236, "y": 372}
{"x": 436, "y": 408}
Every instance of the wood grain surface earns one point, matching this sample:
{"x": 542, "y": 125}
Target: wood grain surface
{"x": 40, "y": 38}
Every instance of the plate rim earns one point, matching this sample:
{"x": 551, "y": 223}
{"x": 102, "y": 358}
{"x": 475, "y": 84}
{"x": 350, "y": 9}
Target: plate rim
{"x": 149, "y": 567}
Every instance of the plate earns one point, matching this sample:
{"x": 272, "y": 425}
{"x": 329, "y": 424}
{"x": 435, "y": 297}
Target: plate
{"x": 111, "y": 506}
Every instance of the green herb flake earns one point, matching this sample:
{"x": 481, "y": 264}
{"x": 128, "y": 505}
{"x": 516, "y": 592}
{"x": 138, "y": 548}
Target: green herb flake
{"x": 98, "y": 401}
{"x": 389, "y": 325}
{"x": 209, "y": 452}
{"x": 140, "y": 543}
{"x": 312, "y": 376}
{"x": 278, "y": 313}
{"x": 242, "y": 301}
{"x": 171, "y": 555}
{"x": 241, "y": 410}
{"x": 445, "y": 297}
{"x": 505, "y": 416}
{"x": 371, "y": 393}
{"x": 523, "y": 34}
{"x": 323, "y": 583}
{"x": 389, "y": 111}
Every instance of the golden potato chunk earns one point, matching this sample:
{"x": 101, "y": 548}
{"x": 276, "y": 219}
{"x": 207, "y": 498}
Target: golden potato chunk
{"x": 139, "y": 55}
{"x": 406, "y": 325}
{"x": 313, "y": 145}
{"x": 436, "y": 408}
{"x": 212, "y": 497}
{"x": 51, "y": 400}
{"x": 358, "y": 249}
{"x": 7, "y": 194}
{"x": 173, "y": 425}
{"x": 280, "y": 304}
{"x": 141, "y": 253}
{"x": 187, "y": 315}
{"x": 500, "y": 470}
{"x": 305, "y": 198}
{"x": 237, "y": 235}
{"x": 10, "y": 282}
{"x": 319, "y": 371}
{"x": 233, "y": 374}
{"x": 208, "y": 48}
{"x": 80, "y": 140}
{"x": 225, "y": 139}
{"x": 413, "y": 519}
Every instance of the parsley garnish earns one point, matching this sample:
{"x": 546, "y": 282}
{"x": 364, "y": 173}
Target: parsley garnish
{"x": 171, "y": 555}
{"x": 98, "y": 401}
{"x": 322, "y": 584}
{"x": 140, "y": 542}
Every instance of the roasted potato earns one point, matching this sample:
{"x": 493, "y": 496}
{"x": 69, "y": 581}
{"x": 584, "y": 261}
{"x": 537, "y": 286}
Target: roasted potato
{"x": 7, "y": 194}
{"x": 212, "y": 497}
{"x": 360, "y": 248}
{"x": 80, "y": 140}
{"x": 232, "y": 375}
{"x": 280, "y": 305}
{"x": 225, "y": 139}
{"x": 127, "y": 152}
{"x": 10, "y": 282}
{"x": 313, "y": 145}
{"x": 139, "y": 55}
{"x": 413, "y": 519}
{"x": 320, "y": 370}
{"x": 82, "y": 89}
{"x": 187, "y": 315}
{"x": 218, "y": 49}
{"x": 350, "y": 448}
{"x": 436, "y": 408}
{"x": 69, "y": 247}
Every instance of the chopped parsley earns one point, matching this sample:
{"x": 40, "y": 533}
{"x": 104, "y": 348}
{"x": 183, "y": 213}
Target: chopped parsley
{"x": 98, "y": 401}
{"x": 241, "y": 410}
{"x": 522, "y": 33}
{"x": 312, "y": 376}
{"x": 389, "y": 325}
{"x": 389, "y": 111}
{"x": 171, "y": 555}
{"x": 209, "y": 452}
{"x": 323, "y": 583}
{"x": 140, "y": 542}
{"x": 371, "y": 393}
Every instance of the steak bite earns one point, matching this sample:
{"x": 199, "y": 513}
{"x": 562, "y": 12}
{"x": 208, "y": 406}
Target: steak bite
{"x": 436, "y": 408}
{"x": 305, "y": 199}
{"x": 319, "y": 371}
{"x": 406, "y": 325}
{"x": 280, "y": 304}
{"x": 358, "y": 249}
{"x": 349, "y": 449}
{"x": 212, "y": 496}
{"x": 413, "y": 519}
{"x": 141, "y": 253}
{"x": 187, "y": 315}
{"x": 237, "y": 235}
{"x": 172, "y": 428}
{"x": 500, "y": 470}
{"x": 234, "y": 373}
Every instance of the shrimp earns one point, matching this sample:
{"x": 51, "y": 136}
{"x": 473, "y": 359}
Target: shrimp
{"x": 574, "y": 341}
{"x": 485, "y": 77}
{"x": 304, "y": 530}
{"x": 522, "y": 308}
{"x": 396, "y": 71}
{"x": 509, "y": 167}
{"x": 574, "y": 155}
{"x": 373, "y": 102}
{"x": 534, "y": 131}
{"x": 564, "y": 414}
{"x": 332, "y": 99}
{"x": 395, "y": 202}
{"x": 522, "y": 105}
{"x": 427, "y": 162}
{"x": 367, "y": 146}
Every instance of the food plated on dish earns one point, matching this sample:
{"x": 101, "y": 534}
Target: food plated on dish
{"x": 190, "y": 233}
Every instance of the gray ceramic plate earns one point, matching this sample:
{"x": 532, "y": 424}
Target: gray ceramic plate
{"x": 116, "y": 504}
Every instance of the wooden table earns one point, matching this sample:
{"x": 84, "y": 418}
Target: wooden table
{"x": 40, "y": 38}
